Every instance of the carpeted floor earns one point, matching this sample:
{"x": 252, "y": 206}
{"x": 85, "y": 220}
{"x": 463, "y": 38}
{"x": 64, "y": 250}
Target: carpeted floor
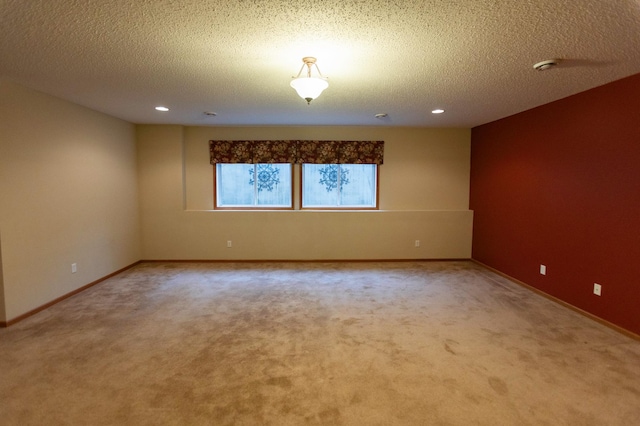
{"x": 401, "y": 343}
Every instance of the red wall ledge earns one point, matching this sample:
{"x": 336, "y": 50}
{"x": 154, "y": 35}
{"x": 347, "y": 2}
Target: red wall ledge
{"x": 559, "y": 185}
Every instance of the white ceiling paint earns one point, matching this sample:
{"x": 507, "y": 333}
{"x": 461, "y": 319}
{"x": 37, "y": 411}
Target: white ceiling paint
{"x": 404, "y": 58}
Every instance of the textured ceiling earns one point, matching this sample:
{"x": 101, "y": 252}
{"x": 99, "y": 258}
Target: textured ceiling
{"x": 236, "y": 58}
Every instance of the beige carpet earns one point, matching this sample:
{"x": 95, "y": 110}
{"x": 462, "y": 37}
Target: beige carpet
{"x": 406, "y": 343}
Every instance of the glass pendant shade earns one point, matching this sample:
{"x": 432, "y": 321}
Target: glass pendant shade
{"x": 309, "y": 88}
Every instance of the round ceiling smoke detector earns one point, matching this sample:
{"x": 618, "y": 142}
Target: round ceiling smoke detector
{"x": 382, "y": 115}
{"x": 210, "y": 113}
{"x": 545, "y": 65}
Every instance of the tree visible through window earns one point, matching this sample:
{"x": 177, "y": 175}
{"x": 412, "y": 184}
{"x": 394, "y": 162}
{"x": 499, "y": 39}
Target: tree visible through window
{"x": 339, "y": 186}
{"x": 262, "y": 185}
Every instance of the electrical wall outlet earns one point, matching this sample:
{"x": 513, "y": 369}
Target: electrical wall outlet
{"x": 417, "y": 243}
{"x": 543, "y": 269}
{"x": 229, "y": 244}
{"x": 74, "y": 268}
{"x": 597, "y": 289}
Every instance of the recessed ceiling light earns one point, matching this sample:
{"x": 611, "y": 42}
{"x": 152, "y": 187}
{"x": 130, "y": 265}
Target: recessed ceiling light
{"x": 162, "y": 108}
{"x": 545, "y": 65}
{"x": 437, "y": 111}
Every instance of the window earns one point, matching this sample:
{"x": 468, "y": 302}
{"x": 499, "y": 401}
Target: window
{"x": 261, "y": 185}
{"x": 348, "y": 186}
{"x": 258, "y": 174}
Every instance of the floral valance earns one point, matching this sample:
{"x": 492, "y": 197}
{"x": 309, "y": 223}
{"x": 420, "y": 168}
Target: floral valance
{"x": 296, "y": 151}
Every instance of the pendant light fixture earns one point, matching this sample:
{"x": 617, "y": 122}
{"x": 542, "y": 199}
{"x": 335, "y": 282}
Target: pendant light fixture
{"x": 308, "y": 87}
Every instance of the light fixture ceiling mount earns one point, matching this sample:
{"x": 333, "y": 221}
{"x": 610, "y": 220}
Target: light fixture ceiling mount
{"x": 308, "y": 87}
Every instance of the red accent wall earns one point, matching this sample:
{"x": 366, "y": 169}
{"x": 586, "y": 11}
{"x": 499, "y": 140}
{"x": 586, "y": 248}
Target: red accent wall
{"x": 559, "y": 185}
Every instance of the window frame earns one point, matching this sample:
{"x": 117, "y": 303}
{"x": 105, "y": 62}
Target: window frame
{"x": 254, "y": 207}
{"x": 346, "y": 208}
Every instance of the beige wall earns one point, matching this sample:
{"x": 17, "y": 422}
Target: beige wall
{"x": 68, "y": 195}
{"x": 424, "y": 195}
{"x": 73, "y": 189}
{"x": 3, "y": 314}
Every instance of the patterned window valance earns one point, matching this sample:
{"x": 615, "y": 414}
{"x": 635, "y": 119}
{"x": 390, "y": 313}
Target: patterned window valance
{"x": 316, "y": 152}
